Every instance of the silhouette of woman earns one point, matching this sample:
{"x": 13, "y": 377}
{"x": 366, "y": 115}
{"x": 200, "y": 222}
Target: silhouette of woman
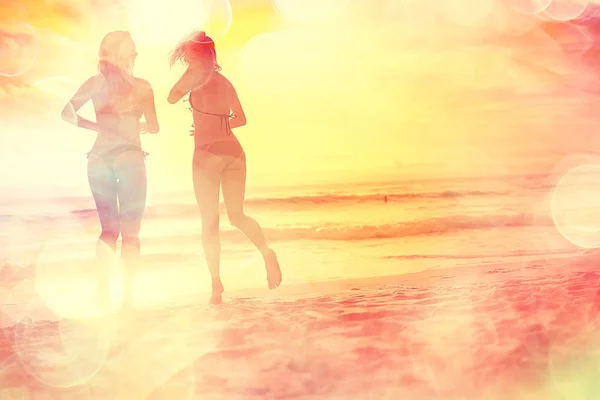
{"x": 219, "y": 162}
{"x": 116, "y": 163}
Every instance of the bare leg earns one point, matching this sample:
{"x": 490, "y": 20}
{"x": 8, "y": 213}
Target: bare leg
{"x": 234, "y": 189}
{"x": 207, "y": 181}
{"x": 130, "y": 168}
{"x": 103, "y": 185}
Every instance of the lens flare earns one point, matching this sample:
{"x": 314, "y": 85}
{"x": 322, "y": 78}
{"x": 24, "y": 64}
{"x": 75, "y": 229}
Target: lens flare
{"x": 498, "y": 21}
{"x": 271, "y": 64}
{"x": 566, "y": 10}
{"x": 61, "y": 354}
{"x": 18, "y": 47}
{"x": 74, "y": 269}
{"x": 528, "y": 6}
{"x": 162, "y": 353}
{"x": 310, "y": 11}
{"x": 542, "y": 238}
{"x": 216, "y": 18}
{"x": 574, "y": 375}
{"x": 79, "y": 288}
{"x": 165, "y": 22}
{"x": 470, "y": 13}
{"x": 575, "y": 206}
{"x": 14, "y": 300}
{"x": 515, "y": 24}
{"x": 107, "y": 17}
{"x": 413, "y": 19}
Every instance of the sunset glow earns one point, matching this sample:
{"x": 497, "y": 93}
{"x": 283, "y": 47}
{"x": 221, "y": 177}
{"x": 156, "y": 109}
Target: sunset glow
{"x": 380, "y": 83}
{"x": 412, "y": 210}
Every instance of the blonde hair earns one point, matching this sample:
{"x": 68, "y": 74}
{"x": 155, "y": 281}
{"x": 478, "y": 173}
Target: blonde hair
{"x": 116, "y": 65}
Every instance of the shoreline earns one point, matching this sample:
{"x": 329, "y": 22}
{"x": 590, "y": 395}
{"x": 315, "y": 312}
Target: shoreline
{"x": 462, "y": 332}
{"x": 488, "y": 272}
{"x": 442, "y": 276}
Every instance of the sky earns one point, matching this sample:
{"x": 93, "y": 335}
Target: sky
{"x": 334, "y": 90}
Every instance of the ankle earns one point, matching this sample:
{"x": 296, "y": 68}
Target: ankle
{"x": 267, "y": 252}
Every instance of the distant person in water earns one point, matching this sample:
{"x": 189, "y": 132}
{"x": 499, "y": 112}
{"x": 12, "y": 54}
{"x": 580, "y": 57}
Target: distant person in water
{"x": 116, "y": 163}
{"x": 219, "y": 161}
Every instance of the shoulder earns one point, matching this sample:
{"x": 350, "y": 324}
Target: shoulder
{"x": 223, "y": 79}
{"x": 93, "y": 84}
{"x": 225, "y": 82}
{"x": 143, "y": 87}
{"x": 142, "y": 84}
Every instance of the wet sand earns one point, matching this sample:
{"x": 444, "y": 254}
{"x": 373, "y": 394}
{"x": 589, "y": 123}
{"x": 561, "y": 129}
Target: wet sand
{"x": 515, "y": 330}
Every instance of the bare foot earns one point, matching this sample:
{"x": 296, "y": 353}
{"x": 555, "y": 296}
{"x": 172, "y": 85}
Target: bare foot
{"x": 217, "y": 291}
{"x": 273, "y": 270}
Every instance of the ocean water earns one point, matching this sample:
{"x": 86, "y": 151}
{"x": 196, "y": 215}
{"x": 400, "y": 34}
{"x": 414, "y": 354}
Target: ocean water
{"x": 362, "y": 230}
{"x": 448, "y": 333}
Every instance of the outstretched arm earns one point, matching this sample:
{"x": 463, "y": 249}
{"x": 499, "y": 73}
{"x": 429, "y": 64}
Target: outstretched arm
{"x": 151, "y": 125}
{"x": 237, "y": 110}
{"x": 82, "y": 96}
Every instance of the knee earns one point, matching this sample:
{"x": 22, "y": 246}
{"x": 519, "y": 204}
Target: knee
{"x": 210, "y": 227}
{"x": 133, "y": 209}
{"x": 236, "y": 218}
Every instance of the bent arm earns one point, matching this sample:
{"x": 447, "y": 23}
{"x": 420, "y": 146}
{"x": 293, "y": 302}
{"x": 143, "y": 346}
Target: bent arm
{"x": 82, "y": 96}
{"x": 180, "y": 88}
{"x": 237, "y": 110}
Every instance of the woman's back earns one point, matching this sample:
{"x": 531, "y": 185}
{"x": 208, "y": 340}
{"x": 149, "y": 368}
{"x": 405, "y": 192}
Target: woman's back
{"x": 211, "y": 105}
{"x": 219, "y": 161}
{"x": 118, "y": 112}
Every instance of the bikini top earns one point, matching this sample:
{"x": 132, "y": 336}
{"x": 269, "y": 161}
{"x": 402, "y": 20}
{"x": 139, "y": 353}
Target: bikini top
{"x": 224, "y": 117}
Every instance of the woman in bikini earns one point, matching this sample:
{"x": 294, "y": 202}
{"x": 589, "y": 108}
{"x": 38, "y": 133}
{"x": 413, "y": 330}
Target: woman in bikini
{"x": 219, "y": 162}
{"x": 116, "y": 163}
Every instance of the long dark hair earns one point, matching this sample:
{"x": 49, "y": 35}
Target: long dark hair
{"x": 196, "y": 44}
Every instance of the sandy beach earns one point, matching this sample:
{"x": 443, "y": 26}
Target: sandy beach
{"x": 428, "y": 174}
{"x": 522, "y": 331}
